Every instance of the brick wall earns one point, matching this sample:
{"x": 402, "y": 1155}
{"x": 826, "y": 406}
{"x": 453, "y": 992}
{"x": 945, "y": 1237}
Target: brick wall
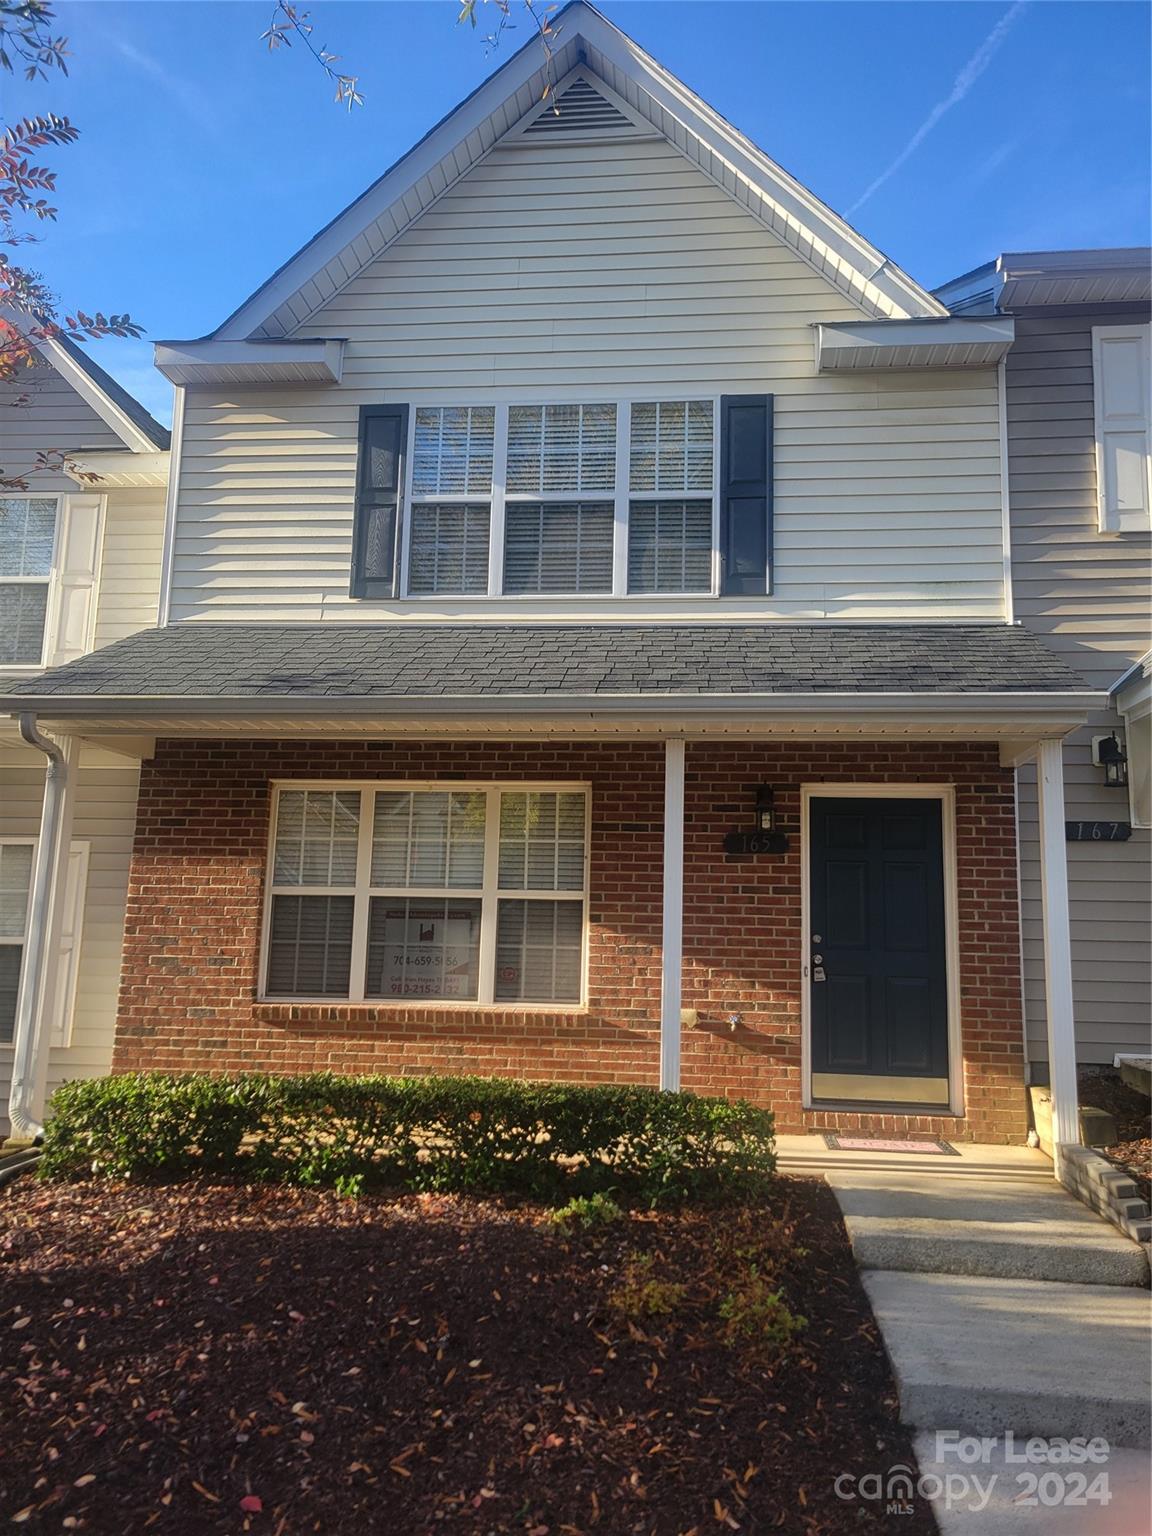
{"x": 189, "y": 990}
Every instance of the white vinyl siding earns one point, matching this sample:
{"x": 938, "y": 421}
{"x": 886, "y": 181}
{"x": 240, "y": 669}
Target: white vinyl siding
{"x": 409, "y": 893}
{"x": 561, "y": 274}
{"x": 1090, "y": 599}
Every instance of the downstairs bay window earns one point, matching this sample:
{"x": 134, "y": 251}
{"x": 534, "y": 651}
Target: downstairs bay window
{"x": 626, "y": 499}
{"x": 439, "y": 893}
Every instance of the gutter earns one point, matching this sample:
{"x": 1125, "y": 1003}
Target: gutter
{"x": 1011, "y": 704}
{"x": 30, "y": 1055}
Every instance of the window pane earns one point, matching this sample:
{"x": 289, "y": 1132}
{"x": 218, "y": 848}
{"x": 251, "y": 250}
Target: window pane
{"x": 542, "y": 841}
{"x": 15, "y": 883}
{"x": 539, "y": 945}
{"x": 428, "y": 838}
{"x": 453, "y": 450}
{"x": 670, "y": 447}
{"x": 419, "y": 947}
{"x": 561, "y": 448}
{"x": 449, "y": 548}
{"x": 27, "y": 535}
{"x": 10, "y": 957}
{"x": 670, "y": 546}
{"x": 316, "y": 837}
{"x": 561, "y": 546}
{"x": 310, "y": 946}
{"x": 23, "y": 606}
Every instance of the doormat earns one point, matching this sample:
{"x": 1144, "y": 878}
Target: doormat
{"x": 882, "y": 1144}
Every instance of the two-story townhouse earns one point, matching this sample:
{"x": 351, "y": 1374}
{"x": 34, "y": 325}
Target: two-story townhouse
{"x": 1079, "y": 424}
{"x": 79, "y": 568}
{"x": 585, "y": 647}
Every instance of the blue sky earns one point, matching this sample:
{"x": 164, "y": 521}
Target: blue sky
{"x": 948, "y": 132}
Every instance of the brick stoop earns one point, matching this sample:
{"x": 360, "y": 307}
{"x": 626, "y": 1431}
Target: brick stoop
{"x": 1107, "y": 1190}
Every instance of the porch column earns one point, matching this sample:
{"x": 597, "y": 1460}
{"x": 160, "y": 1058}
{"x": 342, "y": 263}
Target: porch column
{"x": 33, "y": 1031}
{"x": 673, "y": 936}
{"x": 1057, "y": 948}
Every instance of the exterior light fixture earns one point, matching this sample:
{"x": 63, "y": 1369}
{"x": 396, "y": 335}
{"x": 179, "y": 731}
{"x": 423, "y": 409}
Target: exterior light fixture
{"x": 1110, "y": 755}
{"x": 765, "y": 809}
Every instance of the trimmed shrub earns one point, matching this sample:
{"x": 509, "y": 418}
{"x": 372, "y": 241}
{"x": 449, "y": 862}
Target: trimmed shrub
{"x": 459, "y": 1134}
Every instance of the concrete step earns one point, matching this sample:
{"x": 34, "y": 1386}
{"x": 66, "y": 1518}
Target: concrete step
{"x": 1012, "y": 1229}
{"x": 996, "y": 1497}
{"x": 984, "y": 1356}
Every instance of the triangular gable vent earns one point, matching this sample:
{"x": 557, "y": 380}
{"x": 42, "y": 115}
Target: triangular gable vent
{"x": 580, "y": 111}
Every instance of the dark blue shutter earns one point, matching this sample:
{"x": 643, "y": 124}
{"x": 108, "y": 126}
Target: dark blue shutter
{"x": 379, "y": 485}
{"x": 745, "y": 494}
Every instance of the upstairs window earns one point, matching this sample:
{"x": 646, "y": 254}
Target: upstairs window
{"x": 644, "y": 498}
{"x": 409, "y": 893}
{"x": 1122, "y": 395}
{"x": 451, "y": 506}
{"x": 27, "y": 547}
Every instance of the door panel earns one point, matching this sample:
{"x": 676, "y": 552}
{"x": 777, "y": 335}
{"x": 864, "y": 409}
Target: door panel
{"x": 879, "y": 991}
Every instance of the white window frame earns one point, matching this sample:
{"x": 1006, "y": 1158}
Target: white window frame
{"x": 1106, "y": 522}
{"x": 51, "y": 581}
{"x": 488, "y": 894}
{"x": 62, "y": 992}
{"x": 620, "y": 497}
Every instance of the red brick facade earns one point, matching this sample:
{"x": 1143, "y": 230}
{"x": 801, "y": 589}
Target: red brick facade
{"x": 189, "y": 998}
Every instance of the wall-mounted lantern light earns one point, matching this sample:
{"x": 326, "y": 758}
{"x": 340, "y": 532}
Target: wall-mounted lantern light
{"x": 1108, "y": 753}
{"x": 765, "y": 809}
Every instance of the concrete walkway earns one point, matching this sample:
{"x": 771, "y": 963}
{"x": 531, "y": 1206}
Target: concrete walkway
{"x": 1007, "y": 1308}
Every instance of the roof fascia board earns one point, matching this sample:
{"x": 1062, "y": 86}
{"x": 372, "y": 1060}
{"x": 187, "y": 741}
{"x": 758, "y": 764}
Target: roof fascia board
{"x": 866, "y": 275}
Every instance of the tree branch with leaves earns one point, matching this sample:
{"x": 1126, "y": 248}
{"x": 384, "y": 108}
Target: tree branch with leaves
{"x": 29, "y": 311}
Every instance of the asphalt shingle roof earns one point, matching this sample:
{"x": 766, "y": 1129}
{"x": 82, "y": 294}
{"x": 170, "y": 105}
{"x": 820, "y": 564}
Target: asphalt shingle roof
{"x": 390, "y": 661}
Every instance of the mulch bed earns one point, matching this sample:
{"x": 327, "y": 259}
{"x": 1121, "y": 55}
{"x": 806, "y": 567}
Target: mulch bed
{"x": 1133, "y": 1151}
{"x": 207, "y": 1359}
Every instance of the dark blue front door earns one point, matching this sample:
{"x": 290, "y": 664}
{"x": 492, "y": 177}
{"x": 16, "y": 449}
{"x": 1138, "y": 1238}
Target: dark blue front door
{"x": 877, "y": 955}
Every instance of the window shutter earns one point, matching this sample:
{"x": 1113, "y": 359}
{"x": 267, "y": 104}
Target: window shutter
{"x": 68, "y": 958}
{"x": 379, "y": 485}
{"x": 1120, "y": 372}
{"x": 745, "y": 494}
{"x": 78, "y": 560}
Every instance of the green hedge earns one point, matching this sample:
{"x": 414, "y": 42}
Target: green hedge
{"x": 424, "y": 1133}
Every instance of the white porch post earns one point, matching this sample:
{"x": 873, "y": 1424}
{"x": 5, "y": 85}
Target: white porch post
{"x": 673, "y": 936}
{"x": 33, "y": 1029}
{"x": 1057, "y": 947}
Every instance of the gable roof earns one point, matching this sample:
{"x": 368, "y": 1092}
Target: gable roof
{"x": 592, "y": 54}
{"x": 137, "y": 428}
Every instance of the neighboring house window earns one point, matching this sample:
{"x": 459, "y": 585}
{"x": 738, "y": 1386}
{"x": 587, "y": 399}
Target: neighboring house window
{"x": 457, "y": 893}
{"x": 1121, "y": 372}
{"x": 27, "y": 546}
{"x": 15, "y": 886}
{"x": 625, "y": 498}
{"x": 16, "y": 855}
